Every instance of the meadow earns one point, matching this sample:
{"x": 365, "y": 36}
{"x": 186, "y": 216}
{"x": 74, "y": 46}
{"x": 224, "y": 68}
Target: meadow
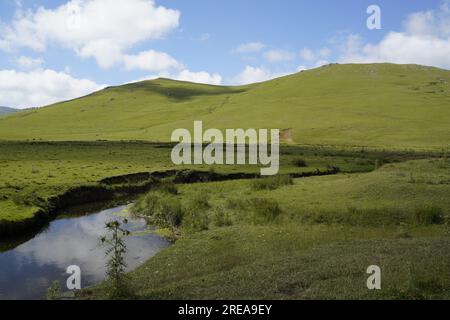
{"x": 34, "y": 172}
{"x": 307, "y": 238}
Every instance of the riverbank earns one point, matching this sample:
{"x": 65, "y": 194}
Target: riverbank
{"x": 113, "y": 188}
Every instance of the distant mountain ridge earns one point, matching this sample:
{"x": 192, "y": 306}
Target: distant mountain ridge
{"x": 374, "y": 105}
{"x": 5, "y": 110}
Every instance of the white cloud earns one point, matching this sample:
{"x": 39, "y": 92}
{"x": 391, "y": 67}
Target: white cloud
{"x": 324, "y": 52}
{"x": 28, "y": 62}
{"x": 105, "y": 52}
{"x": 92, "y": 28}
{"x": 41, "y": 87}
{"x": 425, "y": 40}
{"x": 198, "y": 77}
{"x": 352, "y": 44}
{"x": 254, "y": 74}
{"x": 279, "y": 56}
{"x": 307, "y": 54}
{"x": 310, "y": 56}
{"x": 151, "y": 61}
{"x": 250, "y": 47}
{"x": 433, "y": 23}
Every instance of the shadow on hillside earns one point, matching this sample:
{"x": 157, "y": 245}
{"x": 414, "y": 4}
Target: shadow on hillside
{"x": 181, "y": 93}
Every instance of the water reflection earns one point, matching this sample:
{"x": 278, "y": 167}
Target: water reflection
{"x": 28, "y": 270}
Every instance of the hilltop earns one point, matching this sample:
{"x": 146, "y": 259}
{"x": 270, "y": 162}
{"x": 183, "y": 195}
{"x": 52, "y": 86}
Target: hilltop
{"x": 377, "y": 105}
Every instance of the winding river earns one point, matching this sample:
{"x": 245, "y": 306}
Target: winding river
{"x": 29, "y": 267}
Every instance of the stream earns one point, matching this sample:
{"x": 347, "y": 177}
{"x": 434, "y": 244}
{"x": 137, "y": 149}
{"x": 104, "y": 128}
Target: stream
{"x": 28, "y": 267}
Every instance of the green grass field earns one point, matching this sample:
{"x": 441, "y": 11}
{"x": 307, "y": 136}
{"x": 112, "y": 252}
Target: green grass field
{"x": 32, "y": 173}
{"x": 318, "y": 245}
{"x": 377, "y": 105}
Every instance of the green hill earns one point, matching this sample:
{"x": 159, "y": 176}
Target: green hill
{"x": 377, "y": 105}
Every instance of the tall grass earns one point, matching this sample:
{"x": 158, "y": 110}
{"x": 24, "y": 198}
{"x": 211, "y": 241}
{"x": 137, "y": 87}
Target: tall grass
{"x": 160, "y": 209}
{"x": 429, "y": 215}
{"x": 265, "y": 210}
{"x": 272, "y": 183}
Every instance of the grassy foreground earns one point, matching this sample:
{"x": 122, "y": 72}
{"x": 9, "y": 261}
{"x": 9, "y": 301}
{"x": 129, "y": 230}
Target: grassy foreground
{"x": 311, "y": 238}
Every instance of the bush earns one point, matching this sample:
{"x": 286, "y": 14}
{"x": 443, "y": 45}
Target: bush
{"x": 265, "y": 210}
{"x": 171, "y": 213}
{"x": 162, "y": 209}
{"x": 429, "y": 215}
{"x": 145, "y": 205}
{"x": 272, "y": 183}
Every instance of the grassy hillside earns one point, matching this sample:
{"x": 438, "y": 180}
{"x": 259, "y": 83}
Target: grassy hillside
{"x": 378, "y": 105}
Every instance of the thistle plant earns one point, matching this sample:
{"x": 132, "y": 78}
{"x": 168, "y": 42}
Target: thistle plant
{"x": 115, "y": 252}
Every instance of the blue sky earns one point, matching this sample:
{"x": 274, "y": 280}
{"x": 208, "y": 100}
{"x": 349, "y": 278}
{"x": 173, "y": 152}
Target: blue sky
{"x": 219, "y": 42}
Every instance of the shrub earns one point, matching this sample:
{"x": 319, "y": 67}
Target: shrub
{"x": 171, "y": 213}
{"x": 162, "y": 209}
{"x": 272, "y": 183}
{"x": 145, "y": 205}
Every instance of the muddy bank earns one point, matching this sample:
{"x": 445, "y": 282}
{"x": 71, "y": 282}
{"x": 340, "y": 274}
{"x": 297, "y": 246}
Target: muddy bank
{"x": 119, "y": 187}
